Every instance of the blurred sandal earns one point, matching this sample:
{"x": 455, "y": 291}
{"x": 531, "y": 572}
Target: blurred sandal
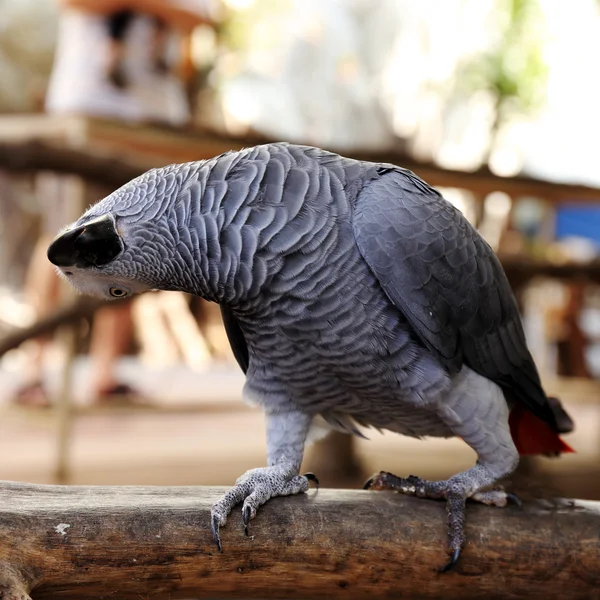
{"x": 32, "y": 395}
{"x": 121, "y": 395}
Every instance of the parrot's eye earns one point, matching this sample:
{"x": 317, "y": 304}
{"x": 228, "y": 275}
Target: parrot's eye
{"x": 116, "y": 292}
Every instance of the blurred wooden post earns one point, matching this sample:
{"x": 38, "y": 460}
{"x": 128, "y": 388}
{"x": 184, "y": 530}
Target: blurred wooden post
{"x": 572, "y": 360}
{"x": 335, "y": 461}
{"x": 64, "y": 403}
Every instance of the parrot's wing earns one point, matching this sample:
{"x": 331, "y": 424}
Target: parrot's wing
{"x": 236, "y": 338}
{"x": 447, "y": 281}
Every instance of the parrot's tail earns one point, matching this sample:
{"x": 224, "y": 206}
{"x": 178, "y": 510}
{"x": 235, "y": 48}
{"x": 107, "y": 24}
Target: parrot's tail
{"x": 532, "y": 436}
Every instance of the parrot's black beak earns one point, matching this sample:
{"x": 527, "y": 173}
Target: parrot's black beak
{"x": 94, "y": 244}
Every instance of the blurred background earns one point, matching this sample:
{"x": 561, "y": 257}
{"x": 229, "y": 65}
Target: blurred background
{"x": 492, "y": 101}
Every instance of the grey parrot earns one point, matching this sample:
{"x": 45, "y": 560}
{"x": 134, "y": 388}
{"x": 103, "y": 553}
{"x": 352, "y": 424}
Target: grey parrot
{"x": 353, "y": 295}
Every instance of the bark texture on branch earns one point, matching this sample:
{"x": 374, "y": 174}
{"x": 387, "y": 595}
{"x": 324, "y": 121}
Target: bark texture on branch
{"x": 151, "y": 542}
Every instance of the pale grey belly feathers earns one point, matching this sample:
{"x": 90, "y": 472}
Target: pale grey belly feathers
{"x": 357, "y": 362}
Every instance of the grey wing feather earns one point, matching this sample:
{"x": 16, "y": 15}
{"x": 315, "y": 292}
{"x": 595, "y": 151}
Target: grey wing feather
{"x": 236, "y": 338}
{"x": 447, "y": 281}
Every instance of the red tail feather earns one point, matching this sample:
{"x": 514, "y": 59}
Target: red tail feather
{"x": 532, "y": 436}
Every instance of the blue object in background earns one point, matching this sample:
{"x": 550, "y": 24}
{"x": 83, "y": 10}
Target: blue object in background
{"x": 578, "y": 220}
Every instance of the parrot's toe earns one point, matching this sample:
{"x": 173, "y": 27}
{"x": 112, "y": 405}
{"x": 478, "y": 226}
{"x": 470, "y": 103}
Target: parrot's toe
{"x": 455, "y": 493}
{"x": 453, "y": 560}
{"x": 415, "y": 486}
{"x": 383, "y": 481}
{"x": 254, "y": 488}
{"x": 312, "y": 477}
{"x": 246, "y": 516}
{"x": 515, "y": 500}
{"x": 216, "y": 522}
{"x": 411, "y": 485}
{"x": 497, "y": 497}
{"x": 456, "y": 511}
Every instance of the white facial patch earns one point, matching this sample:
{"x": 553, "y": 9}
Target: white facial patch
{"x": 93, "y": 283}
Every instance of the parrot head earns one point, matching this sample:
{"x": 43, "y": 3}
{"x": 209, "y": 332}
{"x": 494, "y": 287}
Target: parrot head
{"x": 131, "y": 241}
{"x": 86, "y": 254}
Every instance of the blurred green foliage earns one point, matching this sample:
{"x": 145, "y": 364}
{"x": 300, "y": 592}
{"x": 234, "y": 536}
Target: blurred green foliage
{"x": 237, "y": 32}
{"x": 513, "y": 68}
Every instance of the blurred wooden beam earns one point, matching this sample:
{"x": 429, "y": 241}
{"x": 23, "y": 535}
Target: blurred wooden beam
{"x": 59, "y": 542}
{"x": 184, "y": 329}
{"x": 522, "y": 268}
{"x": 32, "y": 156}
{"x": 26, "y": 151}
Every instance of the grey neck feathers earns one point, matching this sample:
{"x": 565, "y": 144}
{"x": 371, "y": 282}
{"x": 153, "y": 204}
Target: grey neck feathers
{"x": 240, "y": 218}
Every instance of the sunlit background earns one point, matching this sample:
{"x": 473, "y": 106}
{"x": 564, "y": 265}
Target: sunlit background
{"x": 493, "y": 101}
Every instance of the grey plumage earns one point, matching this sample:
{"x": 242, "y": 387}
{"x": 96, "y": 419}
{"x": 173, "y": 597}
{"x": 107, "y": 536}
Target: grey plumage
{"x": 349, "y": 290}
{"x": 448, "y": 282}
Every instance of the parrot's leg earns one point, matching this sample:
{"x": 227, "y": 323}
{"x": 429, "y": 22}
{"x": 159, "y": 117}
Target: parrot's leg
{"x": 286, "y": 436}
{"x": 483, "y": 424}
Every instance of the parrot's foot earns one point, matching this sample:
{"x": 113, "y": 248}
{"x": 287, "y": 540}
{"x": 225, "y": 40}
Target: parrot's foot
{"x": 455, "y": 503}
{"x": 255, "y": 487}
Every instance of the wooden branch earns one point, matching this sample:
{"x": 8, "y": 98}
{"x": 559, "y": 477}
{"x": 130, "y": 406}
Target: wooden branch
{"x": 80, "y": 309}
{"x": 150, "y": 542}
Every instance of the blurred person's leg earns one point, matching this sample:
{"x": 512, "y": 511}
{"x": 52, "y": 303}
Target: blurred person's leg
{"x": 159, "y": 46}
{"x": 111, "y": 335}
{"x": 117, "y": 25}
{"x": 57, "y": 196}
{"x": 42, "y": 292}
{"x": 61, "y": 199}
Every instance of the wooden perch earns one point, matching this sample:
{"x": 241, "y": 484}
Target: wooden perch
{"x": 154, "y": 542}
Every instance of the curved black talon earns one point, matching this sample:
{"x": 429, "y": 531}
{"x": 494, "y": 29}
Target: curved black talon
{"x": 312, "y": 477}
{"x": 450, "y": 564}
{"x": 215, "y": 532}
{"x": 515, "y": 500}
{"x": 246, "y": 519}
{"x": 369, "y": 482}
